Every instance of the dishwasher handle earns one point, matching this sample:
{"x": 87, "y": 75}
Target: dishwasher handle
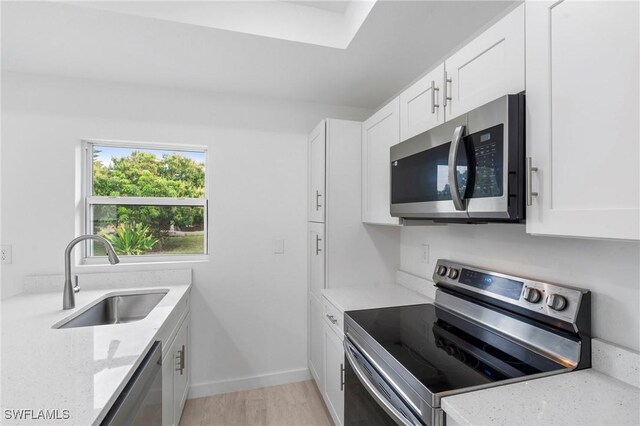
{"x": 130, "y": 400}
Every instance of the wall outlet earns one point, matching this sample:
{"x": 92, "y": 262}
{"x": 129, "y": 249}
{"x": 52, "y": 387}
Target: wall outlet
{"x": 278, "y": 246}
{"x": 5, "y": 254}
{"x": 424, "y": 257}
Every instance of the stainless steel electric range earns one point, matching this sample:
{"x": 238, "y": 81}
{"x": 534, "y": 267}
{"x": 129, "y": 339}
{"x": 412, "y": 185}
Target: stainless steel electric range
{"x": 484, "y": 329}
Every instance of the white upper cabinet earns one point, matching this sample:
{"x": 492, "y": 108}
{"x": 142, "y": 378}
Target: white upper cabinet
{"x": 490, "y": 66}
{"x": 317, "y": 155}
{"x": 421, "y": 105}
{"x": 582, "y": 118}
{"x": 379, "y": 133}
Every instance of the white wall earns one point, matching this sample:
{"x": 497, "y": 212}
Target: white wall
{"x": 248, "y": 304}
{"x": 610, "y": 269}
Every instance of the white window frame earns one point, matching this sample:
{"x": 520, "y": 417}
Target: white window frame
{"x": 89, "y": 200}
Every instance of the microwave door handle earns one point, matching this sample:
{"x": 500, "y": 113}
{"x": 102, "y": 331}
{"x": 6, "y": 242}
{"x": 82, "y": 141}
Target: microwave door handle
{"x": 458, "y": 202}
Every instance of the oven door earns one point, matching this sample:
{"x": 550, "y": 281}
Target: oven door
{"x": 368, "y": 398}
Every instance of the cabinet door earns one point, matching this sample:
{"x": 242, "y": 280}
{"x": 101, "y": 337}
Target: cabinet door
{"x": 317, "y": 155}
{"x": 316, "y": 258}
{"x": 181, "y": 370}
{"x": 334, "y": 375}
{"x": 490, "y": 66}
{"x": 582, "y": 118}
{"x": 316, "y": 336}
{"x": 379, "y": 133}
{"x": 421, "y": 104}
{"x": 168, "y": 406}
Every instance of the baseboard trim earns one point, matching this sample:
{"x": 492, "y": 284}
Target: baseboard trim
{"x": 199, "y": 390}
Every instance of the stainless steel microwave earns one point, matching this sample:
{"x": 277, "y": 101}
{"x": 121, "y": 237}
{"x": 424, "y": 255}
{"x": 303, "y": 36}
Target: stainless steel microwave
{"x": 469, "y": 169}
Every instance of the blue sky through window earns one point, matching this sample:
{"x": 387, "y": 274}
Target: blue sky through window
{"x": 106, "y": 153}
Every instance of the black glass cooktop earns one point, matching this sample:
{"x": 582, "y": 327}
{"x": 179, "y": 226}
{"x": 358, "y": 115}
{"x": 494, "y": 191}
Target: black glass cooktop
{"x": 445, "y": 352}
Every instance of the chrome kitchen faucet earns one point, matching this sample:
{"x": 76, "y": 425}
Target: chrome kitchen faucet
{"x": 68, "y": 294}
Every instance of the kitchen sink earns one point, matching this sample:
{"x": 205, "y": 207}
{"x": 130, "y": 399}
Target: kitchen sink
{"x": 116, "y": 309}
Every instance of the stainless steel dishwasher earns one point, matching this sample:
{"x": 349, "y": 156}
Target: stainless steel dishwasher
{"x": 140, "y": 402}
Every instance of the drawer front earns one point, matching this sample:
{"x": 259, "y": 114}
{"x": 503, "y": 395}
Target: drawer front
{"x": 334, "y": 317}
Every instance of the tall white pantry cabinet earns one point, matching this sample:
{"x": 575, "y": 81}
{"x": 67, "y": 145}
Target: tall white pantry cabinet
{"x": 342, "y": 251}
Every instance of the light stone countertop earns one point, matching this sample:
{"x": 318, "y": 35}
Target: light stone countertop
{"x": 373, "y": 296}
{"x": 607, "y": 394}
{"x": 84, "y": 369}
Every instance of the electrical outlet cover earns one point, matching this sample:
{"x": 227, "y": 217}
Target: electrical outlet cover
{"x": 425, "y": 253}
{"x": 5, "y": 254}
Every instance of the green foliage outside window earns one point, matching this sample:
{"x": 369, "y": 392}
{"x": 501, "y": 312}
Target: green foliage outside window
{"x": 132, "y": 238}
{"x": 142, "y": 228}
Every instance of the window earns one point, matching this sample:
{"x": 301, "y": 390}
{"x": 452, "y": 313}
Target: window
{"x": 149, "y": 201}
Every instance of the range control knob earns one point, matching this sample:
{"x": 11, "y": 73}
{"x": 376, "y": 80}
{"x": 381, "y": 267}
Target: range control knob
{"x": 453, "y": 273}
{"x": 531, "y": 295}
{"x": 442, "y": 270}
{"x": 556, "y": 302}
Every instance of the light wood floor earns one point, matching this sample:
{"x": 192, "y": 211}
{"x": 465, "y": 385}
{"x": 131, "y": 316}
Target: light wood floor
{"x": 293, "y": 404}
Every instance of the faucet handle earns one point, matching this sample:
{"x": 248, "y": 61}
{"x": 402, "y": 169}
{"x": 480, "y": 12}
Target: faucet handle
{"x": 76, "y": 287}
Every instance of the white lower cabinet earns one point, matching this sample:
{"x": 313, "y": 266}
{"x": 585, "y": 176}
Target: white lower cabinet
{"x": 175, "y": 375}
{"x": 316, "y": 331}
{"x": 334, "y": 374}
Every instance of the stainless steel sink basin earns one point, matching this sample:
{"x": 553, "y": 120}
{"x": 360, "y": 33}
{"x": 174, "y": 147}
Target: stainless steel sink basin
{"x": 116, "y": 309}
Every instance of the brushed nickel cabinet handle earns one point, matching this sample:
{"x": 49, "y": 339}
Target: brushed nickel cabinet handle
{"x": 183, "y": 360}
{"x": 530, "y": 193}
{"x": 434, "y": 89}
{"x": 341, "y": 377}
{"x": 318, "y": 249}
{"x": 318, "y": 205}
{"x": 446, "y": 96}
{"x": 332, "y": 319}
{"x": 180, "y": 360}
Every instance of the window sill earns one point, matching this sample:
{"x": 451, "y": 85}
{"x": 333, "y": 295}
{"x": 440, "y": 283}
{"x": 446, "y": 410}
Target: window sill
{"x": 88, "y": 262}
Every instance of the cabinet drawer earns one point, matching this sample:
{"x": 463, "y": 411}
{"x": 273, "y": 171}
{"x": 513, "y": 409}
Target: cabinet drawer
{"x": 333, "y": 317}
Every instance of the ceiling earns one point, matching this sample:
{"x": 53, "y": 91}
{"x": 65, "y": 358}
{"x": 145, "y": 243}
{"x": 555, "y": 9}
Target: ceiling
{"x": 398, "y": 41}
{"x": 302, "y": 21}
{"x": 328, "y": 5}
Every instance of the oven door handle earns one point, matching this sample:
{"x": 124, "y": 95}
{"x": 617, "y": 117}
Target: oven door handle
{"x": 458, "y": 201}
{"x": 371, "y": 388}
